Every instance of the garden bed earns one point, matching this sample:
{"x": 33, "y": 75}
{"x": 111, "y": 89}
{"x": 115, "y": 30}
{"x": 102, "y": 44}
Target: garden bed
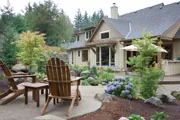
{"x": 124, "y": 107}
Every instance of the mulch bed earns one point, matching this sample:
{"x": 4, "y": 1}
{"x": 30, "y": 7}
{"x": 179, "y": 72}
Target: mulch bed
{"x": 124, "y": 107}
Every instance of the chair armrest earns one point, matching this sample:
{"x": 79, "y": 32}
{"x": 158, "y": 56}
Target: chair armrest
{"x": 23, "y": 76}
{"x": 76, "y": 80}
{"x": 19, "y": 73}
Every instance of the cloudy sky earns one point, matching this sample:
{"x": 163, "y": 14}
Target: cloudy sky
{"x": 70, "y": 6}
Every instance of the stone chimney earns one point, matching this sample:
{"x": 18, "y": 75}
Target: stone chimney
{"x": 114, "y": 11}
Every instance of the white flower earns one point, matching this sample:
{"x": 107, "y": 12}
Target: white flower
{"x": 123, "y": 118}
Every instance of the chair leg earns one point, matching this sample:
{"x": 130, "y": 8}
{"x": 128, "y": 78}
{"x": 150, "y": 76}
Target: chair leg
{"x": 71, "y": 106}
{"x": 45, "y": 106}
{"x": 12, "y": 97}
{"x": 5, "y": 93}
{"x": 79, "y": 95}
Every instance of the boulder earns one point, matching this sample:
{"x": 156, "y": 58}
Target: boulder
{"x": 19, "y": 68}
{"x": 104, "y": 97}
{"x": 155, "y": 101}
{"x": 167, "y": 99}
{"x": 175, "y": 94}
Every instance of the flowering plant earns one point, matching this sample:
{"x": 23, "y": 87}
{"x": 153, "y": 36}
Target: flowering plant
{"x": 120, "y": 86}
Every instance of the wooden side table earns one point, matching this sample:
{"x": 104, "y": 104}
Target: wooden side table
{"x": 35, "y": 87}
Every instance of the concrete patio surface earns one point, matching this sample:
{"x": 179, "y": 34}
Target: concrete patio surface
{"x": 17, "y": 110}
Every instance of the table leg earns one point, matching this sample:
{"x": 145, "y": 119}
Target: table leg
{"x": 42, "y": 91}
{"x": 37, "y": 97}
{"x": 34, "y": 95}
{"x": 46, "y": 94}
{"x": 26, "y": 95}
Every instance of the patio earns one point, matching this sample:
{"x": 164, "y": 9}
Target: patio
{"x": 17, "y": 110}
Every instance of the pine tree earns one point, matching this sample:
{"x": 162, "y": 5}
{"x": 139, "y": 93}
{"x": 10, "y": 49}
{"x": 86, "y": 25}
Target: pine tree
{"x": 78, "y": 21}
{"x": 86, "y": 20}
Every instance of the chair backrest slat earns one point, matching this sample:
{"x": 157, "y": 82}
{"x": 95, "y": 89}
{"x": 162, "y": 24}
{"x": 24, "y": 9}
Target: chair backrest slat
{"x": 7, "y": 72}
{"x": 58, "y": 71}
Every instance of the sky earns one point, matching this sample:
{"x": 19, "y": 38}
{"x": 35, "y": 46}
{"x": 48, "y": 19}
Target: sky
{"x": 70, "y": 7}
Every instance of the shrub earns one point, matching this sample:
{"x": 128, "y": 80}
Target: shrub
{"x": 149, "y": 83}
{"x": 121, "y": 87}
{"x": 159, "y": 116}
{"x": 135, "y": 117}
{"x": 149, "y": 74}
{"x": 30, "y": 45}
{"x": 109, "y": 70}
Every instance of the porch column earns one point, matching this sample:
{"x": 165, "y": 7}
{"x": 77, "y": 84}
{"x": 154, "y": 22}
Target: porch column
{"x": 109, "y": 56}
{"x": 100, "y": 56}
{"x": 159, "y": 54}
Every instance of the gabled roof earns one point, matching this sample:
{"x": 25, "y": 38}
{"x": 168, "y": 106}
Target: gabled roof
{"x": 122, "y": 26}
{"x": 156, "y": 19}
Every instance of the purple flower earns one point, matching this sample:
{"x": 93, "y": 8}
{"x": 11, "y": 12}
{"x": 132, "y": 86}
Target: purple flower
{"x": 129, "y": 96}
{"x": 130, "y": 84}
{"x": 128, "y": 87}
{"x": 123, "y": 92}
{"x": 127, "y": 92}
{"x": 118, "y": 86}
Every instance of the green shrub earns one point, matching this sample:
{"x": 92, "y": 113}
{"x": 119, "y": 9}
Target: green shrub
{"x": 159, "y": 116}
{"x": 135, "y": 117}
{"x": 109, "y": 70}
{"x": 85, "y": 83}
{"x": 149, "y": 82}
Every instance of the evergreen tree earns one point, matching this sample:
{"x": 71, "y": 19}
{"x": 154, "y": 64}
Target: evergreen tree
{"x": 86, "y": 20}
{"x": 8, "y": 35}
{"x": 78, "y": 20}
{"x": 8, "y": 54}
{"x": 48, "y": 19}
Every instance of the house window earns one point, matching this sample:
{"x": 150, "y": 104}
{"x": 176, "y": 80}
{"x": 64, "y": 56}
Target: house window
{"x": 79, "y": 53}
{"x": 72, "y": 58}
{"x": 85, "y": 55}
{"x": 77, "y": 38}
{"x": 104, "y": 35}
{"x": 97, "y": 56}
{"x": 87, "y": 35}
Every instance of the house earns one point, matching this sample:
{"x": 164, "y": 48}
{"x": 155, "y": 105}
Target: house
{"x": 111, "y": 34}
{"x": 78, "y": 52}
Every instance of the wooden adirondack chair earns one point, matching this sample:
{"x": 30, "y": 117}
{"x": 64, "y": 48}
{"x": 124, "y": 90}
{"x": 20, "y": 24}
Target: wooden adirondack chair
{"x": 59, "y": 79}
{"x": 14, "y": 90}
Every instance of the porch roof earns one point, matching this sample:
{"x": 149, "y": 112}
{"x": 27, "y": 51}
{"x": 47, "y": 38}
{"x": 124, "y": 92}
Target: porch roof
{"x": 101, "y": 42}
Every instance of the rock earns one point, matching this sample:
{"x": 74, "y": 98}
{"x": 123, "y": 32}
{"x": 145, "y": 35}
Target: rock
{"x": 19, "y": 67}
{"x": 18, "y": 80}
{"x": 175, "y": 93}
{"x": 155, "y": 101}
{"x": 73, "y": 73}
{"x": 78, "y": 72}
{"x": 166, "y": 99}
{"x": 105, "y": 97}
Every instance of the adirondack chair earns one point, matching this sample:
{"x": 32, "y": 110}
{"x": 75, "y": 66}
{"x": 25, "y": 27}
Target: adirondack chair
{"x": 14, "y": 90}
{"x": 59, "y": 79}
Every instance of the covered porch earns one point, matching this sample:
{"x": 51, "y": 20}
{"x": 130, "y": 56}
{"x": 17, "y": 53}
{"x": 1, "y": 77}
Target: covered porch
{"x": 104, "y": 53}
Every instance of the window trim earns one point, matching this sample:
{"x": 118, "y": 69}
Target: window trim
{"x": 87, "y": 55}
{"x": 102, "y": 33}
{"x": 79, "y": 53}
